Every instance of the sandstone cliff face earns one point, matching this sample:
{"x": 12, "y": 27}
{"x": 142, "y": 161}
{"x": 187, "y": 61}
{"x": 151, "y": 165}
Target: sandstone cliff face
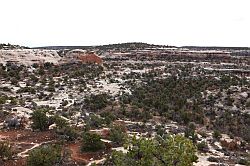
{"x": 90, "y": 58}
{"x": 79, "y": 55}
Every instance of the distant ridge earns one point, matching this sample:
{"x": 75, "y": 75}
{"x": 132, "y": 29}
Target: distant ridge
{"x": 140, "y": 45}
{"x": 215, "y": 48}
{"x": 11, "y": 46}
{"x": 129, "y": 45}
{"x": 108, "y": 46}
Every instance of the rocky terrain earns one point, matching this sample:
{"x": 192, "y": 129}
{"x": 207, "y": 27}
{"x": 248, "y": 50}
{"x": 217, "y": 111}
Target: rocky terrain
{"x": 64, "y": 95}
{"x": 28, "y": 57}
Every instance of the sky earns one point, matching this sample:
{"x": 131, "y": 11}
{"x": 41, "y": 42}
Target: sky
{"x": 96, "y": 22}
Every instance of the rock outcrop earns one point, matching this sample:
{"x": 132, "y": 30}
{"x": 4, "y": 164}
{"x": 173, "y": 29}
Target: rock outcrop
{"x": 39, "y": 56}
{"x": 83, "y": 56}
{"x": 90, "y": 58}
{"x": 29, "y": 56}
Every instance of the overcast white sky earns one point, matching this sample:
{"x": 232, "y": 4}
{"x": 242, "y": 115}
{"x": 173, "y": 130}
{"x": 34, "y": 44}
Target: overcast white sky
{"x": 94, "y": 22}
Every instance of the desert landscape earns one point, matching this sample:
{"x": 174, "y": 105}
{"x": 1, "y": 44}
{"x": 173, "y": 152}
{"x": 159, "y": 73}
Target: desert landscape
{"x": 124, "y": 104}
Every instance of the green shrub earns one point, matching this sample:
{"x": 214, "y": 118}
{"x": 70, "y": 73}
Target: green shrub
{"x": 248, "y": 104}
{"x": 67, "y": 133}
{"x": 59, "y": 121}
{"x": 217, "y": 134}
{"x": 118, "y": 134}
{"x": 108, "y": 117}
{"x": 190, "y": 132}
{"x": 243, "y": 161}
{"x": 94, "y": 121}
{"x": 5, "y": 150}
{"x": 160, "y": 130}
{"x": 64, "y": 103}
{"x": 213, "y": 159}
{"x": 96, "y": 102}
{"x": 3, "y": 99}
{"x": 46, "y": 155}
{"x": 202, "y": 146}
{"x": 40, "y": 120}
{"x": 91, "y": 142}
{"x": 174, "y": 150}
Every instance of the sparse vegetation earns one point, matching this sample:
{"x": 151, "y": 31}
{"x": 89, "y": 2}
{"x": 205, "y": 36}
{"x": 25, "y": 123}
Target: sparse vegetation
{"x": 135, "y": 90}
